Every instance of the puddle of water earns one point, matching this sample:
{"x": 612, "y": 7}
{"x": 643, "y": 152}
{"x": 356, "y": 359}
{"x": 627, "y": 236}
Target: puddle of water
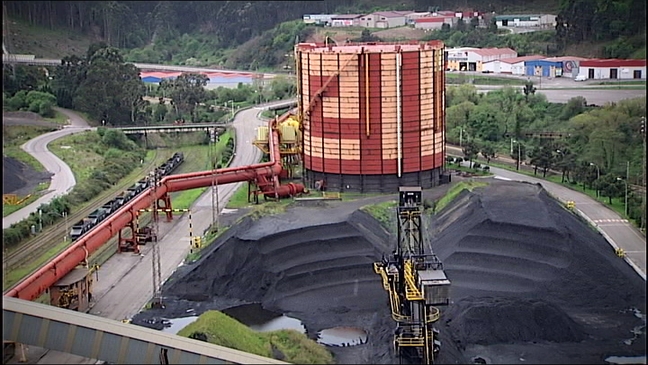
{"x": 263, "y": 320}
{"x": 626, "y": 360}
{"x": 176, "y": 324}
{"x": 342, "y": 336}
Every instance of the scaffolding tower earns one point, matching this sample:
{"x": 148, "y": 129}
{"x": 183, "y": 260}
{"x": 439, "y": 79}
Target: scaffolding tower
{"x": 415, "y": 282}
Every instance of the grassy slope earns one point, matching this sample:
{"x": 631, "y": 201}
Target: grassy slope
{"x": 226, "y": 331}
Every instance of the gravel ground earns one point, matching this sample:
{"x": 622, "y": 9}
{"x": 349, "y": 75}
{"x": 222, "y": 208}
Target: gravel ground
{"x": 531, "y": 282}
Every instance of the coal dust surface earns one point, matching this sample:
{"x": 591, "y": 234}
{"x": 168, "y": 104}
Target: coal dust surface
{"x": 531, "y": 282}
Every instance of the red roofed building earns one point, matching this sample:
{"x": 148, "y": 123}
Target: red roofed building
{"x": 432, "y": 22}
{"x": 472, "y": 59}
{"x": 613, "y": 69}
{"x": 512, "y": 65}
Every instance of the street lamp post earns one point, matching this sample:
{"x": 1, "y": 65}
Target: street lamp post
{"x": 625, "y": 195}
{"x": 598, "y": 176}
{"x": 65, "y": 215}
{"x": 517, "y": 164}
{"x": 232, "y": 104}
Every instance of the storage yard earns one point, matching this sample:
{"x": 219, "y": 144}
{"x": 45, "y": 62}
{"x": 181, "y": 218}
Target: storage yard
{"x": 531, "y": 282}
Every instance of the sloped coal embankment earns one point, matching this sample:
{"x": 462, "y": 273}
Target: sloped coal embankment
{"x": 531, "y": 282}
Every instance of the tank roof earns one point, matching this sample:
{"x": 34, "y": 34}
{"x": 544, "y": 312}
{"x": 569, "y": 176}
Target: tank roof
{"x": 373, "y": 47}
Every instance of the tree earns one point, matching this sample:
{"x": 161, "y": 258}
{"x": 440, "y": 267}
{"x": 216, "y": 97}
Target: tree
{"x": 470, "y": 151}
{"x": 528, "y": 89}
{"x": 610, "y": 187}
{"x": 488, "y": 151}
{"x": 186, "y": 91}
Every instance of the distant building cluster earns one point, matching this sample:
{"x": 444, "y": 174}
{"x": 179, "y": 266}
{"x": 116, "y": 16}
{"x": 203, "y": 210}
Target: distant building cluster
{"x": 426, "y": 19}
{"x": 507, "y": 61}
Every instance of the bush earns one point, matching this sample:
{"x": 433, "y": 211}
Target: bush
{"x": 486, "y": 168}
{"x": 46, "y": 109}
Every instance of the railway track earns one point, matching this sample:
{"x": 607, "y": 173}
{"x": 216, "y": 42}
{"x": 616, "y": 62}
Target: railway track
{"x": 37, "y": 246}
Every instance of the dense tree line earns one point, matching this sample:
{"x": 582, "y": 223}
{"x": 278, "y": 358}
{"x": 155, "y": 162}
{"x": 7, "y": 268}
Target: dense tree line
{"x": 128, "y": 24}
{"x": 596, "y": 145}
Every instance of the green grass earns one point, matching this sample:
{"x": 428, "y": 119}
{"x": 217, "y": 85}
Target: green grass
{"x": 223, "y": 330}
{"x": 382, "y": 212}
{"x": 59, "y": 118}
{"x": 81, "y": 151}
{"x": 13, "y": 136}
{"x": 460, "y": 78}
{"x": 239, "y": 199}
{"x": 186, "y": 198}
{"x": 13, "y": 276}
{"x": 454, "y": 191}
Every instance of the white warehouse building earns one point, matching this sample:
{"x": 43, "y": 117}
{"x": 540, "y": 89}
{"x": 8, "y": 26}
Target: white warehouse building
{"x": 514, "y": 65}
{"x": 614, "y": 69}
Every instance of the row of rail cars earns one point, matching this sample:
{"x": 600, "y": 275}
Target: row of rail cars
{"x": 86, "y": 224}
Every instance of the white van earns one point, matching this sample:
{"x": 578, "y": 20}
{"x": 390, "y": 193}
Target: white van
{"x": 581, "y": 78}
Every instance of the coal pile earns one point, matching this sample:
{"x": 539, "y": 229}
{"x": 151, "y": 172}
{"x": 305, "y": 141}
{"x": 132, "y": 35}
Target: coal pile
{"x": 19, "y": 178}
{"x": 531, "y": 282}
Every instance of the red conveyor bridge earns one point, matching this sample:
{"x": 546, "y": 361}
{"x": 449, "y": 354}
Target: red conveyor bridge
{"x": 264, "y": 175}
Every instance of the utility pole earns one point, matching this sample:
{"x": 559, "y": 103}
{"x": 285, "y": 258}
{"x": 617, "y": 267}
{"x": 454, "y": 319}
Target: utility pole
{"x": 155, "y": 258}
{"x": 214, "y": 187}
{"x": 626, "y": 186}
{"x": 642, "y": 130}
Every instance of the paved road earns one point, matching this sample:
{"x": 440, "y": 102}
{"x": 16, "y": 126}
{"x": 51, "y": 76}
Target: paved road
{"x": 593, "y": 96}
{"x": 616, "y": 229}
{"x": 125, "y": 281}
{"x": 63, "y": 179}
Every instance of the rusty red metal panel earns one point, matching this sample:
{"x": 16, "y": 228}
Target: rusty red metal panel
{"x": 427, "y": 162}
{"x": 390, "y": 166}
{"x": 438, "y": 160}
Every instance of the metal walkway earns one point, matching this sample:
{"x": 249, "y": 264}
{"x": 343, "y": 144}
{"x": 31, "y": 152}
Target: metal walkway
{"x": 114, "y": 342}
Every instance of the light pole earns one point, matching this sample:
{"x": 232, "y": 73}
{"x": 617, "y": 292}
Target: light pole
{"x": 65, "y": 215}
{"x": 598, "y": 176}
{"x": 517, "y": 164}
{"x": 232, "y": 104}
{"x": 40, "y": 220}
{"x": 626, "y": 195}
{"x": 460, "y": 136}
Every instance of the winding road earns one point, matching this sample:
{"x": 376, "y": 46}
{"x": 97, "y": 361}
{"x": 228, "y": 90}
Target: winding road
{"x": 62, "y": 179}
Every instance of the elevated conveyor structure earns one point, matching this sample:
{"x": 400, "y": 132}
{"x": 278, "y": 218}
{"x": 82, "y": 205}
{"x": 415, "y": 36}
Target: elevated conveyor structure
{"x": 264, "y": 175}
{"x": 415, "y": 282}
{"x": 108, "y": 340}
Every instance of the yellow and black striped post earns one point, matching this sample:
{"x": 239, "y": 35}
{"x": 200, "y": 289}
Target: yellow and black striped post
{"x": 175, "y": 211}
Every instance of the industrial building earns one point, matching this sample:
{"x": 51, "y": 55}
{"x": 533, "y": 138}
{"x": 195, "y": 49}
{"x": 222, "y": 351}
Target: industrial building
{"x": 543, "y": 68}
{"x": 473, "y": 59}
{"x": 372, "y": 115}
{"x": 615, "y": 69}
{"x": 433, "y": 22}
{"x": 346, "y": 20}
{"x": 318, "y": 19}
{"x": 384, "y": 19}
{"x": 513, "y": 66}
{"x": 569, "y": 64}
{"x": 526, "y": 20}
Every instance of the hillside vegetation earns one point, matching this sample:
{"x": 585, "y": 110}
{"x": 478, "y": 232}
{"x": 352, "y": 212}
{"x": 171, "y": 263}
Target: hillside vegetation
{"x": 287, "y": 345}
{"x": 259, "y": 35}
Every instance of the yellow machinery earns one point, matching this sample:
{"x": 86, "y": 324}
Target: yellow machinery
{"x": 290, "y": 144}
{"x": 12, "y": 199}
{"x": 415, "y": 282}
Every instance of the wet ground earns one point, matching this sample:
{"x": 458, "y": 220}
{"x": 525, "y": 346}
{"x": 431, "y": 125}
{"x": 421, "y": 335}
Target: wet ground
{"x": 531, "y": 282}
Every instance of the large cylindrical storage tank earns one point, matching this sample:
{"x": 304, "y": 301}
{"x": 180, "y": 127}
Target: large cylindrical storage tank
{"x": 372, "y": 114}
